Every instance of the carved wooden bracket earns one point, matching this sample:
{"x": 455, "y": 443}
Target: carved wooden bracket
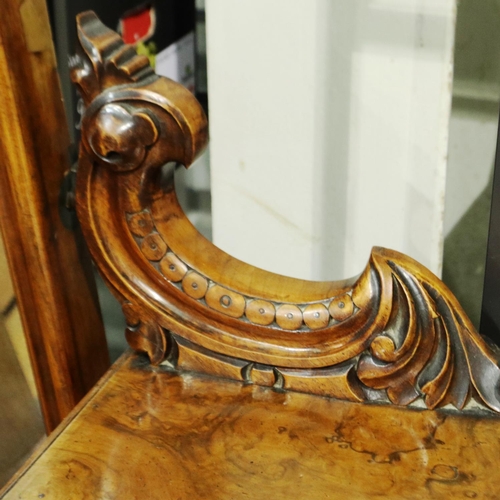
{"x": 394, "y": 334}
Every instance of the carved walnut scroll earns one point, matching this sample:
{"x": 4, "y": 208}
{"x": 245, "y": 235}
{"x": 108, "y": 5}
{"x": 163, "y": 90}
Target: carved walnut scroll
{"x": 394, "y": 334}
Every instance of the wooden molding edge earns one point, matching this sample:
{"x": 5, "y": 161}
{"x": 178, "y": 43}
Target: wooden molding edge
{"x": 394, "y": 334}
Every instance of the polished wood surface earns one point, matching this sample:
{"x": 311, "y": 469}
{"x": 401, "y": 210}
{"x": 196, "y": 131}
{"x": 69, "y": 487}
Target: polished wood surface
{"x": 49, "y": 266}
{"x": 394, "y": 334}
{"x": 146, "y": 433}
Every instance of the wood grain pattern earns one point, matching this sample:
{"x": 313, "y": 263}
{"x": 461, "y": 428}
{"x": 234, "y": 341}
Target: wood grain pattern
{"x": 146, "y": 433}
{"x": 394, "y": 334}
{"x": 49, "y": 265}
{"x": 6, "y": 287}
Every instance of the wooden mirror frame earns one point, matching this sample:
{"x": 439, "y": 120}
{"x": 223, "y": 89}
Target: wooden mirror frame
{"x": 394, "y": 334}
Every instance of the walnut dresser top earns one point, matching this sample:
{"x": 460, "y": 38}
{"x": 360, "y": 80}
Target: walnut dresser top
{"x": 147, "y": 433}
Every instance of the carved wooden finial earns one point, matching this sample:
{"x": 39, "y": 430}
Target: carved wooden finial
{"x": 396, "y": 334}
{"x": 104, "y": 61}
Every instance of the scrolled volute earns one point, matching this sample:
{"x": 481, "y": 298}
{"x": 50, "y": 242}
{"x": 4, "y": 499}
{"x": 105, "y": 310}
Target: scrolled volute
{"x": 120, "y": 135}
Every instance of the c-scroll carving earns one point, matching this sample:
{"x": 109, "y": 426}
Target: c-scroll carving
{"x": 121, "y": 135}
{"x": 395, "y": 334}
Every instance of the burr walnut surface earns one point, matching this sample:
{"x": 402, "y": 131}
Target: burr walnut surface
{"x": 147, "y": 433}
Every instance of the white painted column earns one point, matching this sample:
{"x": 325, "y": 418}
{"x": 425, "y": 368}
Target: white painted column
{"x": 329, "y": 130}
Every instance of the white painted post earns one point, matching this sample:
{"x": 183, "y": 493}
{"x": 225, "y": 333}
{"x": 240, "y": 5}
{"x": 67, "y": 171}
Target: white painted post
{"x": 329, "y": 130}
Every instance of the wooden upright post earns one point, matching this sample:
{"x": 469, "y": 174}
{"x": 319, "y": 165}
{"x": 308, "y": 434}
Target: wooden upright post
{"x": 49, "y": 264}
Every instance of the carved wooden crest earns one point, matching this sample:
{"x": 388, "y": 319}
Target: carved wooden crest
{"x": 395, "y": 334}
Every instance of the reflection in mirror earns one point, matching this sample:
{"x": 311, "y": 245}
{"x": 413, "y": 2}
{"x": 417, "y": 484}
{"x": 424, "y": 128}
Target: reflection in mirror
{"x": 472, "y": 144}
{"x": 21, "y": 424}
